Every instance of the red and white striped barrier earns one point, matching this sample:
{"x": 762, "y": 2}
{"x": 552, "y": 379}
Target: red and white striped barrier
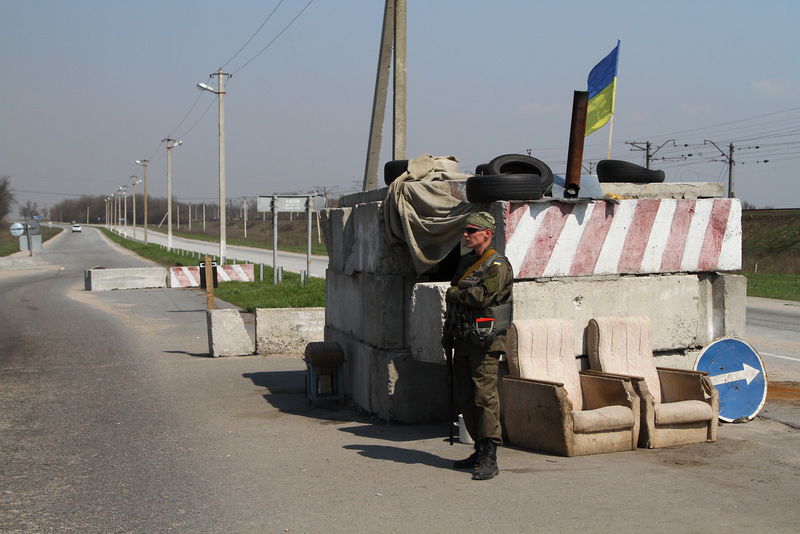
{"x": 190, "y": 276}
{"x": 625, "y": 236}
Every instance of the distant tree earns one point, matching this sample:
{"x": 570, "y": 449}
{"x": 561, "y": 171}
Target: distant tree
{"x": 748, "y": 205}
{"x": 29, "y": 210}
{"x": 6, "y": 196}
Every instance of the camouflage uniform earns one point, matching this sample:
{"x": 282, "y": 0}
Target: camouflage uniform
{"x": 479, "y": 283}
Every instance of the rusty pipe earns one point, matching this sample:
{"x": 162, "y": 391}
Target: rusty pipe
{"x": 577, "y": 132}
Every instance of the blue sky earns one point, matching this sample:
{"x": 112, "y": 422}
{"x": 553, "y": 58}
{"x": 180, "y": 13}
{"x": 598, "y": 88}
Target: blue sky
{"x": 92, "y": 86}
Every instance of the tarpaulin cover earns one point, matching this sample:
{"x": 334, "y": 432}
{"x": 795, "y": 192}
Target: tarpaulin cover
{"x": 426, "y": 211}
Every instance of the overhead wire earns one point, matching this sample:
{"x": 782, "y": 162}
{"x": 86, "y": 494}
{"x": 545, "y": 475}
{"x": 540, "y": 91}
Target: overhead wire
{"x": 274, "y": 38}
{"x": 252, "y": 36}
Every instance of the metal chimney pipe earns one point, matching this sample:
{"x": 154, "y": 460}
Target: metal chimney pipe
{"x": 577, "y": 134}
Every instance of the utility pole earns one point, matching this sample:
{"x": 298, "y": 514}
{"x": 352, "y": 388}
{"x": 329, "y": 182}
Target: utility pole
{"x": 245, "y": 217}
{"x": 648, "y": 154}
{"x": 171, "y": 143}
{"x": 729, "y": 160}
{"x": 144, "y": 163}
{"x": 393, "y": 36}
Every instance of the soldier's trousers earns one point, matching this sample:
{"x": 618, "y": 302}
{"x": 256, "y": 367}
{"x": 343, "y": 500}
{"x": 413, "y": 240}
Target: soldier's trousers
{"x": 475, "y": 378}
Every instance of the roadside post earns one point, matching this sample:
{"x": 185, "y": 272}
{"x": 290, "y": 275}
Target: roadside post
{"x": 208, "y": 279}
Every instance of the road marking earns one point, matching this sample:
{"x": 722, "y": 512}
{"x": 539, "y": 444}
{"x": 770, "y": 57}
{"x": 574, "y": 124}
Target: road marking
{"x": 747, "y": 373}
{"x": 778, "y": 356}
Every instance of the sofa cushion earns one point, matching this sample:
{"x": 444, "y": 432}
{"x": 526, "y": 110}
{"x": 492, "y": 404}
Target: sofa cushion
{"x": 688, "y": 411}
{"x": 602, "y": 419}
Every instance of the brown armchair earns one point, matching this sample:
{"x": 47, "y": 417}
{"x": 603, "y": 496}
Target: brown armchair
{"x": 678, "y": 406}
{"x": 548, "y": 405}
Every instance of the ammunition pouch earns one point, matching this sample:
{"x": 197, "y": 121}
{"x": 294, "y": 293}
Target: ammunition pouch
{"x": 463, "y": 324}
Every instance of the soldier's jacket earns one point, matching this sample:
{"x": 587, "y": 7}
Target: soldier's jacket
{"x": 480, "y": 283}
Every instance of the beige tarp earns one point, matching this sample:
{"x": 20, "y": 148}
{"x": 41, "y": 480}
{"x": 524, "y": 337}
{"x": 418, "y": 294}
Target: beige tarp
{"x": 422, "y": 211}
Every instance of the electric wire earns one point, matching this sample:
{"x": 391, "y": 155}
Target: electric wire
{"x": 274, "y": 38}
{"x": 252, "y": 36}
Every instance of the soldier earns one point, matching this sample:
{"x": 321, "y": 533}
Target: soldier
{"x": 478, "y": 315}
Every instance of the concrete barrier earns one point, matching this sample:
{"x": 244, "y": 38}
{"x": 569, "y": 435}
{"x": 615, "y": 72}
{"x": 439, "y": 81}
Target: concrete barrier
{"x": 391, "y": 384}
{"x": 20, "y": 262}
{"x": 99, "y": 279}
{"x": 686, "y": 311}
{"x": 288, "y": 330}
{"x": 226, "y": 334}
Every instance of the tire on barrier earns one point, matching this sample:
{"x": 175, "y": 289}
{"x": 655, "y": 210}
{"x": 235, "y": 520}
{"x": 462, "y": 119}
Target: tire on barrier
{"x": 393, "y": 169}
{"x": 519, "y": 164}
{"x": 482, "y": 169}
{"x": 616, "y": 170}
{"x": 490, "y": 188}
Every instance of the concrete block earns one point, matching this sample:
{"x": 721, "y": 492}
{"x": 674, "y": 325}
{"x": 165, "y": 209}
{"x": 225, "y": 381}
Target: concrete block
{"x": 363, "y": 197}
{"x": 337, "y": 228}
{"x": 372, "y": 254}
{"x": 343, "y": 302}
{"x": 226, "y": 334}
{"x": 383, "y": 309}
{"x": 288, "y": 330}
{"x": 98, "y": 279}
{"x": 425, "y": 321}
{"x": 20, "y": 262}
{"x": 675, "y": 304}
{"x": 391, "y": 384}
{"x": 665, "y": 190}
{"x": 722, "y": 306}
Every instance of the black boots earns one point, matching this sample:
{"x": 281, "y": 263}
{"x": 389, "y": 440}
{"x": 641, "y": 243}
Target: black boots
{"x": 468, "y": 463}
{"x": 486, "y": 467}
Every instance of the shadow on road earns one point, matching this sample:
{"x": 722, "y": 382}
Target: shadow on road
{"x": 286, "y": 391}
{"x": 400, "y": 455}
{"x": 194, "y": 354}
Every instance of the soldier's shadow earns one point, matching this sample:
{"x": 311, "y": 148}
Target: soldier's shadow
{"x": 401, "y": 455}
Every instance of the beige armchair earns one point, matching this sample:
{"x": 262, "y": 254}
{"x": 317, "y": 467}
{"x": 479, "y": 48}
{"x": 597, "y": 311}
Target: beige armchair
{"x": 678, "y": 406}
{"x": 548, "y": 405}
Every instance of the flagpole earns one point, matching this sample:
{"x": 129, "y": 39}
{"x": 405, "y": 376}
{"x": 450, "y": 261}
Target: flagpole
{"x": 610, "y": 134}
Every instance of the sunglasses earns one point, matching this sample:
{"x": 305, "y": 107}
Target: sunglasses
{"x": 471, "y": 231}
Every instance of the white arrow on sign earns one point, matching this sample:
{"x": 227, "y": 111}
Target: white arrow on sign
{"x": 747, "y": 373}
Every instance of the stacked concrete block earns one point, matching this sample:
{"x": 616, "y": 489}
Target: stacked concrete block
{"x": 369, "y": 285}
{"x": 659, "y": 258}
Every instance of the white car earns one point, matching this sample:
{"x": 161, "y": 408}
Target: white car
{"x": 76, "y": 227}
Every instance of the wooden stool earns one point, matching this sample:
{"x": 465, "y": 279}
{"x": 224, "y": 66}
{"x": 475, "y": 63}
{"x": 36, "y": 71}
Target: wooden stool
{"x": 324, "y": 371}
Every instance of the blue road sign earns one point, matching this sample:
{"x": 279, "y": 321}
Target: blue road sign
{"x": 736, "y": 370}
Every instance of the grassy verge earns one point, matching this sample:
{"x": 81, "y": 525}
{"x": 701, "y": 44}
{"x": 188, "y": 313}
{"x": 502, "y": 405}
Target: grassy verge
{"x": 10, "y": 244}
{"x": 773, "y": 286}
{"x": 248, "y": 296}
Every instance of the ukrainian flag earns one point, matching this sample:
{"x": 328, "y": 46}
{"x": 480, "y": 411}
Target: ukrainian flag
{"x": 602, "y": 90}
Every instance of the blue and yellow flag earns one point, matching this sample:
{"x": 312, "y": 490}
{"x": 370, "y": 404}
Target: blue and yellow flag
{"x": 602, "y": 90}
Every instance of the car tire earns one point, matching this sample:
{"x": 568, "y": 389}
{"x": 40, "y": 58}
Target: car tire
{"x": 492, "y": 187}
{"x": 482, "y": 169}
{"x": 616, "y": 170}
{"x": 519, "y": 164}
{"x": 393, "y": 169}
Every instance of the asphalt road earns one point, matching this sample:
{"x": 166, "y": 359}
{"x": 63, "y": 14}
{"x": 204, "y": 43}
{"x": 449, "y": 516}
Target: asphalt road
{"x": 290, "y": 261}
{"x": 113, "y": 419}
{"x": 773, "y": 329}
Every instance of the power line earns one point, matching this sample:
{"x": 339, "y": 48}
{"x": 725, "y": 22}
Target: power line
{"x": 252, "y": 36}
{"x": 274, "y": 38}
